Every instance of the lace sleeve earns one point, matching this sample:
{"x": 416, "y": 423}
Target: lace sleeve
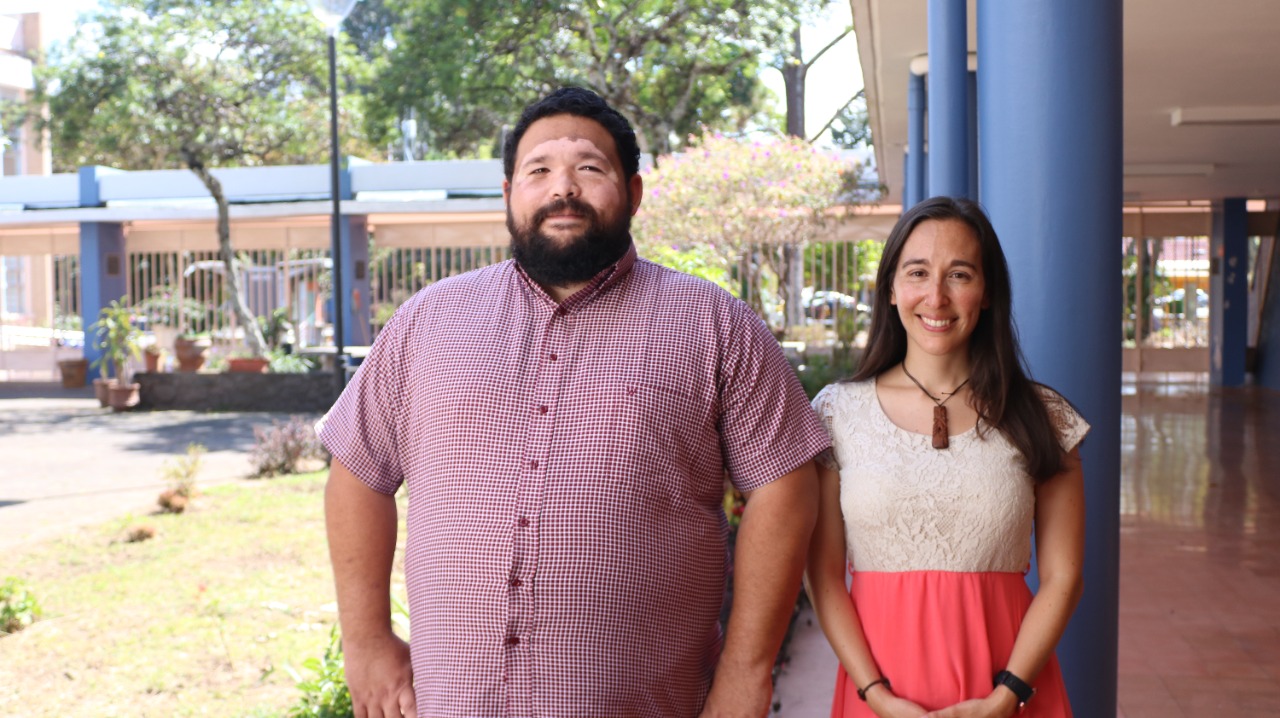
{"x": 1068, "y": 422}
{"x": 823, "y": 405}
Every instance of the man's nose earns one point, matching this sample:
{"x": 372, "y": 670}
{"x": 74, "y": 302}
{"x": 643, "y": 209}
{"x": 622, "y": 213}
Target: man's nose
{"x": 565, "y": 185}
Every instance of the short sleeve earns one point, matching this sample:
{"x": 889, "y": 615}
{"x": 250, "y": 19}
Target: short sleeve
{"x": 1067, "y": 422}
{"x": 824, "y": 406}
{"x": 767, "y": 427}
{"x": 360, "y": 430}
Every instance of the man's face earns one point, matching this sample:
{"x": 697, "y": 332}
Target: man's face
{"x": 569, "y": 204}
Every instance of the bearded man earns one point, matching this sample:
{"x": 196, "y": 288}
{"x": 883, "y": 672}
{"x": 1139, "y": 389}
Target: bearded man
{"x": 564, "y": 421}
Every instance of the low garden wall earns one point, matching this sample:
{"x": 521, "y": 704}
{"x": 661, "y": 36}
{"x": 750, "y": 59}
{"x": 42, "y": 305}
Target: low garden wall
{"x": 235, "y": 391}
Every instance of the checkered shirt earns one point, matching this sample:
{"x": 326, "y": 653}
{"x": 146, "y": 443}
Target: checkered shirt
{"x": 565, "y": 463}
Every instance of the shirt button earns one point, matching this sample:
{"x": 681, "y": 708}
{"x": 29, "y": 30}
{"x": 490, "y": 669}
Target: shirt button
{"x": 542, "y": 409}
{"x": 516, "y": 582}
{"x": 513, "y": 640}
{"x": 533, "y": 464}
{"x": 522, "y": 521}
{"x": 553, "y": 357}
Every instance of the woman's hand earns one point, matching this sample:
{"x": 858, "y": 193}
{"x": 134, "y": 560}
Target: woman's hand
{"x": 886, "y": 705}
{"x": 1000, "y": 704}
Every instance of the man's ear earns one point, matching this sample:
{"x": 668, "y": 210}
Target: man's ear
{"x": 636, "y": 187}
{"x": 506, "y": 191}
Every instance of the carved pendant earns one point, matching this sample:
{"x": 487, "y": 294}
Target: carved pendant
{"x": 941, "y": 439}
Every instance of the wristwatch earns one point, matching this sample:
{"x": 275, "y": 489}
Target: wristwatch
{"x": 1015, "y": 684}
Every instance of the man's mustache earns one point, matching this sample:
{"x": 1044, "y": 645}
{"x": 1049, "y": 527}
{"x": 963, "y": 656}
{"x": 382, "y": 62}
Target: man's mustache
{"x": 560, "y": 206}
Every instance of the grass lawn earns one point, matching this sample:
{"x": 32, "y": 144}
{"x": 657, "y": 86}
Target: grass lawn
{"x": 199, "y": 621}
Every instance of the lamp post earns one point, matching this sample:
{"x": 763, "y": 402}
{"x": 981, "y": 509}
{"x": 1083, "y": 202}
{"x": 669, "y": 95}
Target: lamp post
{"x": 331, "y": 13}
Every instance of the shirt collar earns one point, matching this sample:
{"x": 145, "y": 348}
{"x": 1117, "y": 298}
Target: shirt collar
{"x": 599, "y": 284}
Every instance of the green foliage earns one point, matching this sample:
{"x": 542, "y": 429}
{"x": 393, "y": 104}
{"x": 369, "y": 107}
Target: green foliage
{"x": 669, "y": 67}
{"x": 324, "y": 693}
{"x": 18, "y": 606}
{"x": 181, "y": 472}
{"x": 698, "y": 260}
{"x": 118, "y": 338}
{"x": 152, "y": 83}
{"x": 283, "y": 363}
{"x": 819, "y": 370}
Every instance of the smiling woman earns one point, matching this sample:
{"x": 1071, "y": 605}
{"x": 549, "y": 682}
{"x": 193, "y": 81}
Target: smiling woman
{"x": 933, "y": 514}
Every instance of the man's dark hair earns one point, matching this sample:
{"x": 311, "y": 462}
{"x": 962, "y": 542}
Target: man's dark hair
{"x": 581, "y": 103}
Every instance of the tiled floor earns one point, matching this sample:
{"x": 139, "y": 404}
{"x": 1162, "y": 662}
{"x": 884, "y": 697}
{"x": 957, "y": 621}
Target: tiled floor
{"x": 1199, "y": 565}
{"x": 1200, "y": 553}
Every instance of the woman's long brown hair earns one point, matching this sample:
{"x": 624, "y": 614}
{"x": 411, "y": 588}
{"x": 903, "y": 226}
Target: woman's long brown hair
{"x": 1003, "y": 394}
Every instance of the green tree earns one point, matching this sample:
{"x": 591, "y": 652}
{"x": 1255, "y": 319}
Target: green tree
{"x": 753, "y": 203}
{"x": 465, "y": 67}
{"x": 191, "y": 83}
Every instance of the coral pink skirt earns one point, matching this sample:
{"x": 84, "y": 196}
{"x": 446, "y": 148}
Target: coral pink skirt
{"x": 940, "y": 637}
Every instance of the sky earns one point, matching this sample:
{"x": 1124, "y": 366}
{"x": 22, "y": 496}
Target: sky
{"x": 830, "y": 83}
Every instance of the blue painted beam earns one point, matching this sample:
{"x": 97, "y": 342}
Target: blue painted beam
{"x": 1048, "y": 71}
{"x": 916, "y": 104}
{"x": 948, "y": 99}
{"x": 1228, "y": 293}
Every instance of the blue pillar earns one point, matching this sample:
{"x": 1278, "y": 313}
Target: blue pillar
{"x": 916, "y": 156}
{"x": 948, "y": 98}
{"x": 102, "y": 260}
{"x": 973, "y": 136}
{"x": 354, "y": 236}
{"x": 1048, "y": 70}
{"x": 1228, "y": 293}
{"x": 1267, "y": 372}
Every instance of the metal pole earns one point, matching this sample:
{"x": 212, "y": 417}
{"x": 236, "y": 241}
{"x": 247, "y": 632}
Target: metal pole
{"x": 339, "y": 364}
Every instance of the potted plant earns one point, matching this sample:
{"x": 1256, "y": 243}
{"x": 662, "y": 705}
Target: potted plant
{"x": 191, "y": 351}
{"x": 118, "y": 340}
{"x": 151, "y": 356}
{"x": 247, "y": 363}
{"x": 74, "y": 372}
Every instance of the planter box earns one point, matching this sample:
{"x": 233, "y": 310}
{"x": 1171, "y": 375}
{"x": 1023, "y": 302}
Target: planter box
{"x": 227, "y": 391}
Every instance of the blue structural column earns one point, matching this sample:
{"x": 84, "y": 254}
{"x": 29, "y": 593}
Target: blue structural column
{"x": 1228, "y": 293}
{"x": 1267, "y": 372}
{"x": 354, "y": 236}
{"x": 948, "y": 98}
{"x": 1049, "y": 113}
{"x": 916, "y": 104}
{"x": 102, "y": 260}
{"x": 973, "y": 135}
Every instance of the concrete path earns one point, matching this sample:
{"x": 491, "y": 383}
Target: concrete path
{"x": 66, "y": 463}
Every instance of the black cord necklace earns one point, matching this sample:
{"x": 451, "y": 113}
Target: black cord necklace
{"x": 941, "y": 431}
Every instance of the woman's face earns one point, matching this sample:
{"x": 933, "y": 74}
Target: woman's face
{"x": 938, "y": 287}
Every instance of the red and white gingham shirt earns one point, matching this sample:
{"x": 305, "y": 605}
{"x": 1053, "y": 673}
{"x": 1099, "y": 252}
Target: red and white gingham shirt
{"x": 566, "y": 541}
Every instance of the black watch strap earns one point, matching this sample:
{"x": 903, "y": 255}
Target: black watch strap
{"x": 1019, "y": 687}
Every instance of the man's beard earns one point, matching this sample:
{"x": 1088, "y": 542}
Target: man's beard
{"x": 559, "y": 264}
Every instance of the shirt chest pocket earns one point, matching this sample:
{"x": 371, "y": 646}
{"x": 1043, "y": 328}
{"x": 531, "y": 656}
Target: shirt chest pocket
{"x": 657, "y": 437}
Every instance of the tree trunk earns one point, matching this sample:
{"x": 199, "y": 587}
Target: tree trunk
{"x": 794, "y": 70}
{"x": 252, "y": 331}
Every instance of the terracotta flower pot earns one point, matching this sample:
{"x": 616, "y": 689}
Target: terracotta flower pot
{"x": 101, "y": 389}
{"x": 152, "y": 360}
{"x": 248, "y": 365}
{"x": 74, "y": 372}
{"x": 123, "y": 396}
{"x": 190, "y": 353}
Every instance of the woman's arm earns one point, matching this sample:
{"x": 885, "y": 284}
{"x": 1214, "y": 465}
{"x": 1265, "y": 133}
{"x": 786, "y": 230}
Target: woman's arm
{"x": 1060, "y": 558}
{"x": 825, "y": 583}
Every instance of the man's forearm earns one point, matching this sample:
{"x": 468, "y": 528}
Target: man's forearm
{"x": 770, "y": 554}
{"x": 362, "y": 526}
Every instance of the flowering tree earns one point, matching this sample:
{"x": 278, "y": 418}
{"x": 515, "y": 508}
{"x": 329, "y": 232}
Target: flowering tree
{"x": 749, "y": 202}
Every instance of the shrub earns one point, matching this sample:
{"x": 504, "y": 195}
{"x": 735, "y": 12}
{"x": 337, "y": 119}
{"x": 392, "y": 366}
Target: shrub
{"x": 282, "y": 447}
{"x": 324, "y": 694}
{"x": 181, "y": 475}
{"x": 18, "y": 606}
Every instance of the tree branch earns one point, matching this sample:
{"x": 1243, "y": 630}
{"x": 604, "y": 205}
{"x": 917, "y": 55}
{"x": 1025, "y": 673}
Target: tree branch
{"x": 836, "y": 115}
{"x": 830, "y": 45}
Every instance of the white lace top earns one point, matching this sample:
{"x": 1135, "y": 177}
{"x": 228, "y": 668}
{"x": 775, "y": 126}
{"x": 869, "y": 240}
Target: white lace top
{"x": 910, "y": 507}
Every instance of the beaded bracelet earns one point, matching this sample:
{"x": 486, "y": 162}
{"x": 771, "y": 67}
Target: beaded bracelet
{"x": 862, "y": 692}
